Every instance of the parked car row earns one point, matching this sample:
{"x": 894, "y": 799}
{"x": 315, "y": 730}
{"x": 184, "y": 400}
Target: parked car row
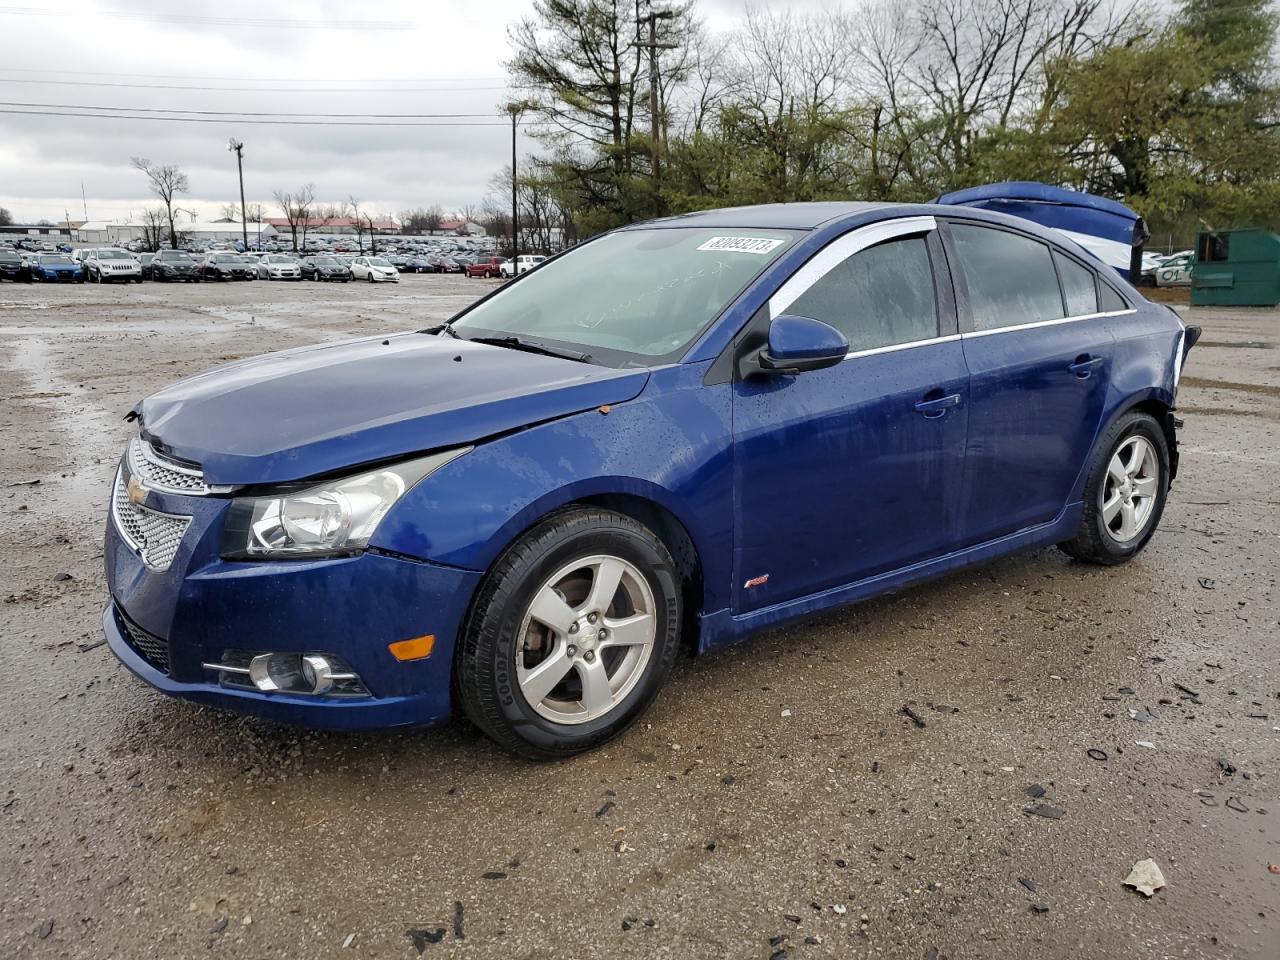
{"x": 111, "y": 264}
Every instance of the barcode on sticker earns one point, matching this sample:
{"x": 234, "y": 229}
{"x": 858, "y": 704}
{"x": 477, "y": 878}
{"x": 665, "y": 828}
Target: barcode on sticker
{"x": 758, "y": 245}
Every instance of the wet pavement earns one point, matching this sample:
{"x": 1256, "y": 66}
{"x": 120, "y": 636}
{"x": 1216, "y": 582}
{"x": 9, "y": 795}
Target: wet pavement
{"x": 777, "y": 801}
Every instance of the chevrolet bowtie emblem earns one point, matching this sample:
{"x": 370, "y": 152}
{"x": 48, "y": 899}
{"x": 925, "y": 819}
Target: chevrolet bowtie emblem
{"x": 137, "y": 492}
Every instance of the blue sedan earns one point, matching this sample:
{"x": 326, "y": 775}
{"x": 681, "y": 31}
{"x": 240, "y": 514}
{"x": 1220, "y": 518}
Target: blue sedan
{"x": 55, "y": 267}
{"x": 680, "y": 432}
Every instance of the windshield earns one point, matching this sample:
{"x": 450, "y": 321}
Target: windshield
{"x": 326, "y": 260}
{"x": 278, "y": 260}
{"x": 177, "y": 255}
{"x": 113, "y": 255}
{"x": 640, "y": 295}
{"x": 378, "y": 262}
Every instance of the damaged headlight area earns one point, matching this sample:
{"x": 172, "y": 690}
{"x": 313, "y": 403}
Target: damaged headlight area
{"x": 330, "y": 518}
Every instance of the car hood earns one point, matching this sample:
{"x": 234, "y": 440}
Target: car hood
{"x": 323, "y": 409}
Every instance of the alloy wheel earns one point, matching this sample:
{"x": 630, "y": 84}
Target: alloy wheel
{"x": 586, "y": 639}
{"x": 1128, "y": 496}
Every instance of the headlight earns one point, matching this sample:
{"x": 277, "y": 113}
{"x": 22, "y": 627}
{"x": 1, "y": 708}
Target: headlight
{"x": 330, "y": 518}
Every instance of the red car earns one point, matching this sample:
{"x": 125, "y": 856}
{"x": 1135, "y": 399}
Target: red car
{"x": 491, "y": 267}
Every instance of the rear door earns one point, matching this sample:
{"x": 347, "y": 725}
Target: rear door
{"x": 1039, "y": 354}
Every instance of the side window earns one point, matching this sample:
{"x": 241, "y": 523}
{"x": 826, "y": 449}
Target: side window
{"x": 1079, "y": 287}
{"x": 1109, "y": 301}
{"x": 1010, "y": 277}
{"x": 878, "y": 297}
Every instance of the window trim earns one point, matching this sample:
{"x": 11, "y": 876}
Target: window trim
{"x": 864, "y": 238}
{"x": 841, "y": 249}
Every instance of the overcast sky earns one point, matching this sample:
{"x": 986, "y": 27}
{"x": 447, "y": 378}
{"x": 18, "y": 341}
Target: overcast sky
{"x": 297, "y": 56}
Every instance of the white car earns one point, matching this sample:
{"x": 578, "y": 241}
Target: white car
{"x": 374, "y": 269}
{"x": 277, "y": 267}
{"x": 108, "y": 264}
{"x": 1176, "y": 271}
{"x": 526, "y": 261}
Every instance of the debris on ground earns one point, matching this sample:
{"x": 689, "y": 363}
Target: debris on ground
{"x": 1145, "y": 743}
{"x": 45, "y": 928}
{"x": 1207, "y": 582}
{"x": 1030, "y": 884}
{"x": 1145, "y": 877}
{"x": 913, "y": 716}
{"x": 1046, "y": 810}
{"x": 1093, "y": 753}
{"x": 1143, "y": 715}
{"x": 1236, "y": 804}
{"x": 1035, "y": 791}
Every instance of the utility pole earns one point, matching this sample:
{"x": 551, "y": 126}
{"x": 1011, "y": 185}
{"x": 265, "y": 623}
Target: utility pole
{"x": 515, "y": 109}
{"x": 655, "y": 123}
{"x": 236, "y": 147}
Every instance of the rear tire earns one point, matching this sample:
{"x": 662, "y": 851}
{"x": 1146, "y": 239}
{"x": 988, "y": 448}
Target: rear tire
{"x": 563, "y": 562}
{"x": 1124, "y": 492}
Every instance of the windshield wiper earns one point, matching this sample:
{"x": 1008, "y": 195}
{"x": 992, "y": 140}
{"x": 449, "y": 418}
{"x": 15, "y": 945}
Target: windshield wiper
{"x": 446, "y": 328}
{"x": 532, "y": 346}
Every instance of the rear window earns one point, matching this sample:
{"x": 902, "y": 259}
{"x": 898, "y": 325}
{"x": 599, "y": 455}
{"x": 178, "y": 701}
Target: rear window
{"x": 1011, "y": 278}
{"x": 1079, "y": 287}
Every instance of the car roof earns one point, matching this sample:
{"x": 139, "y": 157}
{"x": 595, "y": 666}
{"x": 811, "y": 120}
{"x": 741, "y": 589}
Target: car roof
{"x": 789, "y": 216}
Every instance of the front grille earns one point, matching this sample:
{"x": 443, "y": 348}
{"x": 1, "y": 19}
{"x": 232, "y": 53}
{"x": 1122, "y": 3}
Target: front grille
{"x": 146, "y": 645}
{"x": 154, "y": 535}
{"x": 161, "y": 473}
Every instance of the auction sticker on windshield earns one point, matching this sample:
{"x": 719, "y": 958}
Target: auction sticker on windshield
{"x": 758, "y": 245}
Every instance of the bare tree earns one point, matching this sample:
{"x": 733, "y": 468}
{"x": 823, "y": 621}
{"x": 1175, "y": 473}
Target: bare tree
{"x": 296, "y": 209}
{"x": 153, "y": 221}
{"x": 167, "y": 181}
{"x": 6, "y": 218}
{"x": 354, "y": 203}
{"x": 231, "y": 211}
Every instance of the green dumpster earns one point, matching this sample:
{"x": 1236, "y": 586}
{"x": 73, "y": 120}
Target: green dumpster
{"x": 1236, "y": 268}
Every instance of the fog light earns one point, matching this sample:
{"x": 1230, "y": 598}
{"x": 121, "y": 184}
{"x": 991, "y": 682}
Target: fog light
{"x": 317, "y": 673}
{"x": 274, "y": 671}
{"x": 310, "y": 674}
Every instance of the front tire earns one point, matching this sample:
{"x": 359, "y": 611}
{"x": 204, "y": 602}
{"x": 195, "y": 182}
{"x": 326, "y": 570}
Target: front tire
{"x": 1125, "y": 492}
{"x": 533, "y": 669}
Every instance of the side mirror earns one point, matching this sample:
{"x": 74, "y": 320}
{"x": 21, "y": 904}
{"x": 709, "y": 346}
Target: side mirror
{"x": 797, "y": 345}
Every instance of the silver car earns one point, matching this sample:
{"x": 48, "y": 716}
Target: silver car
{"x": 276, "y": 266}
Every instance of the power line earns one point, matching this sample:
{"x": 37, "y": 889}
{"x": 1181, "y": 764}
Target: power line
{"x": 244, "y": 113}
{"x": 178, "y": 76}
{"x": 220, "y": 21}
{"x": 286, "y": 123}
{"x": 170, "y": 86}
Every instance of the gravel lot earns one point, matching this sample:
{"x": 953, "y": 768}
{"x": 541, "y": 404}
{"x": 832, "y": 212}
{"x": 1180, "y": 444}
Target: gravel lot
{"x": 777, "y": 802}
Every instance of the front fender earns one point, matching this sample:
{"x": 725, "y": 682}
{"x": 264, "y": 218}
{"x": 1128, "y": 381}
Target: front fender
{"x": 671, "y": 445}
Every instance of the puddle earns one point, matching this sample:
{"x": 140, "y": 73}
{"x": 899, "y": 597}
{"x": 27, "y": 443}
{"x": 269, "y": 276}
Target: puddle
{"x": 1261, "y": 389}
{"x": 1237, "y": 344}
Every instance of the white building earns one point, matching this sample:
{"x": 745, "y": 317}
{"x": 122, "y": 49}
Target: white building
{"x": 107, "y": 232}
{"x": 113, "y": 233}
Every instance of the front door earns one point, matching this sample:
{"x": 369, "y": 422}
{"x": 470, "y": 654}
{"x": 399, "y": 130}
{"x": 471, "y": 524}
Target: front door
{"x": 854, "y": 470}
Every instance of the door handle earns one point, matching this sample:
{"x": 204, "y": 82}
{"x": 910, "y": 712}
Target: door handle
{"x": 1083, "y": 367}
{"x": 934, "y": 407}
